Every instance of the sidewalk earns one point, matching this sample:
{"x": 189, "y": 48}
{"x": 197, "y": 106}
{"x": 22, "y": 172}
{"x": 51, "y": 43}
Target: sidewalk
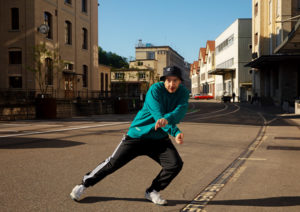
{"x": 269, "y": 179}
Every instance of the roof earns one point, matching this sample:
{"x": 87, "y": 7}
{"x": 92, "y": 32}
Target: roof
{"x": 211, "y": 45}
{"x": 221, "y": 71}
{"x": 158, "y": 47}
{"x": 202, "y": 53}
{"x": 194, "y": 66}
{"x": 267, "y": 60}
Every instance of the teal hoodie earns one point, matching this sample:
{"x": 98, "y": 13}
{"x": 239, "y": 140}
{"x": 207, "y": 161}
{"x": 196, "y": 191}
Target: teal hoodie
{"x": 159, "y": 103}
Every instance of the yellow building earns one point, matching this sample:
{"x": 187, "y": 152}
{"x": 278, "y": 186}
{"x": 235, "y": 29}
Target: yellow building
{"x": 131, "y": 82}
{"x": 70, "y": 26}
{"x": 275, "y": 51}
{"x": 156, "y": 58}
{"x": 105, "y": 77}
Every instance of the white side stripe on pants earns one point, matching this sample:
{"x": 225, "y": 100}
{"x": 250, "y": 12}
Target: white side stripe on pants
{"x": 101, "y": 165}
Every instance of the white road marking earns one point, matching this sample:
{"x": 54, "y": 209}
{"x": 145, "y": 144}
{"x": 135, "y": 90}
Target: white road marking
{"x": 62, "y": 130}
{"x": 235, "y": 169}
{"x": 258, "y": 159}
{"x": 219, "y": 115}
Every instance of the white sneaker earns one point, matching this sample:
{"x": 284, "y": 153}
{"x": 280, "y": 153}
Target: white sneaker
{"x": 155, "y": 197}
{"x": 77, "y": 191}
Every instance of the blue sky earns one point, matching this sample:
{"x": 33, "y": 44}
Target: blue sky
{"x": 184, "y": 25}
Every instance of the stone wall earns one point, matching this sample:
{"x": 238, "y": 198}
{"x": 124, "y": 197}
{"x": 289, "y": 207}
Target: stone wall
{"x": 65, "y": 109}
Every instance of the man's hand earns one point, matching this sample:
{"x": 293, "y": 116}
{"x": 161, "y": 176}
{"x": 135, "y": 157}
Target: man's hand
{"x": 179, "y": 138}
{"x": 161, "y": 123}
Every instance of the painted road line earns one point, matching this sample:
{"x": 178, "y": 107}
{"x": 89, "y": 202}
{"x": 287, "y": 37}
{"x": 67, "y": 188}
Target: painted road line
{"x": 217, "y": 111}
{"x": 193, "y": 108}
{"x": 254, "y": 159}
{"x": 201, "y": 200}
{"x": 62, "y": 130}
{"x": 218, "y": 115}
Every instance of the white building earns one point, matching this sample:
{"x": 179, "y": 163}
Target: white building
{"x": 233, "y": 51}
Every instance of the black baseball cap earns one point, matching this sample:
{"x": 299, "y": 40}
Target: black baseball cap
{"x": 171, "y": 71}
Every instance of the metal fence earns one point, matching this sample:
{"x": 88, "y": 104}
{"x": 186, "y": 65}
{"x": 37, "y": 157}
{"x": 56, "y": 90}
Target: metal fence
{"x": 18, "y": 103}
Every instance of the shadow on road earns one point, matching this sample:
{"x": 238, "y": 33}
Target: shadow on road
{"x": 102, "y": 199}
{"x": 28, "y": 143}
{"x": 264, "y": 202}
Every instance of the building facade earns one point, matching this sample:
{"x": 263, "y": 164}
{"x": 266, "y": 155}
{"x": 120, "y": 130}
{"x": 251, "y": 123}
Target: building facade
{"x": 231, "y": 54}
{"x": 131, "y": 82}
{"x": 195, "y": 77}
{"x": 68, "y": 28}
{"x": 105, "y": 78}
{"x": 209, "y": 84}
{"x": 156, "y": 58}
{"x": 276, "y": 51}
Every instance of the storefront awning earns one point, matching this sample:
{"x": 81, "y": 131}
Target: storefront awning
{"x": 291, "y": 43}
{"x": 268, "y": 60}
{"x": 221, "y": 71}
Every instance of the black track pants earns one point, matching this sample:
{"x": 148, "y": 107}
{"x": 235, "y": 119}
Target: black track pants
{"x": 162, "y": 151}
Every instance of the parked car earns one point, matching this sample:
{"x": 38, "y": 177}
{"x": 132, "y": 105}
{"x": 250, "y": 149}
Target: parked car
{"x": 203, "y": 96}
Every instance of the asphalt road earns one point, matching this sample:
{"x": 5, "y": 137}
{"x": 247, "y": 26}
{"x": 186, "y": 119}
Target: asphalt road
{"x": 41, "y": 161}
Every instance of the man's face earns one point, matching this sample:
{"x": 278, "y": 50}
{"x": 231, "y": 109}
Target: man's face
{"x": 172, "y": 83}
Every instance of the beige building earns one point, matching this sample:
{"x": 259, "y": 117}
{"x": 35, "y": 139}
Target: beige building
{"x": 207, "y": 63}
{"x": 70, "y": 26}
{"x": 275, "y": 51}
{"x": 156, "y": 58}
{"x": 105, "y": 77}
{"x": 195, "y": 77}
{"x": 131, "y": 82}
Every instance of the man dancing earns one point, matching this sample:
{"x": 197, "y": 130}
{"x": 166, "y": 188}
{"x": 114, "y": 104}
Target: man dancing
{"x": 165, "y": 105}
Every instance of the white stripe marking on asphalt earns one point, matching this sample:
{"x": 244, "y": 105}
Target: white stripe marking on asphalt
{"x": 62, "y": 130}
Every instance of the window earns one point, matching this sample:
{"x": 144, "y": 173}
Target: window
{"x": 15, "y": 18}
{"x": 49, "y": 71}
{"x": 68, "y": 32}
{"x": 270, "y": 11}
{"x": 142, "y": 76}
{"x": 226, "y": 43}
{"x": 15, "y": 82}
{"x": 256, "y": 38}
{"x": 150, "y": 55}
{"x": 102, "y": 81}
{"x": 84, "y": 38}
{"x": 85, "y": 76}
{"x": 139, "y": 63}
{"x": 226, "y": 64}
{"x": 69, "y": 66}
{"x": 278, "y": 36}
{"x": 84, "y": 6}
{"x": 15, "y": 57}
{"x": 48, "y": 22}
{"x": 256, "y": 9}
{"x": 68, "y": 1}
{"x": 106, "y": 82}
{"x": 119, "y": 76}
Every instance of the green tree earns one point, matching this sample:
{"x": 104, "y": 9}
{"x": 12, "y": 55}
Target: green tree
{"x": 111, "y": 59}
{"x": 40, "y": 54}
